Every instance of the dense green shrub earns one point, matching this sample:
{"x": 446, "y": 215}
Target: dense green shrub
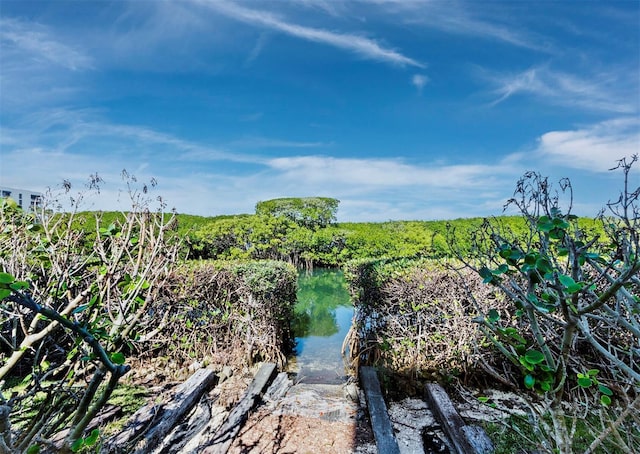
{"x": 310, "y": 212}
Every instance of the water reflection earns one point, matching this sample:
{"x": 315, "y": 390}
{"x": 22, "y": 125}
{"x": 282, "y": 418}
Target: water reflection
{"x": 322, "y": 319}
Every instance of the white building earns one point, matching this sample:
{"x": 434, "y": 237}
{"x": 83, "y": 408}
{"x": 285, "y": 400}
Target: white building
{"x": 28, "y": 200}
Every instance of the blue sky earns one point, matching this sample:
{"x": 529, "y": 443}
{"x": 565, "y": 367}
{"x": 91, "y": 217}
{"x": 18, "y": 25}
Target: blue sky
{"x": 400, "y": 109}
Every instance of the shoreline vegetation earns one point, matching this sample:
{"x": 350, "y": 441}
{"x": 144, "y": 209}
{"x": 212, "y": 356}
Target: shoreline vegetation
{"x": 545, "y": 304}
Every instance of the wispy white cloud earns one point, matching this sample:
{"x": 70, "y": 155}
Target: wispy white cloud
{"x": 464, "y": 18}
{"x": 383, "y": 189}
{"x": 36, "y": 41}
{"x": 419, "y": 81}
{"x": 38, "y": 67}
{"x": 255, "y": 52}
{"x": 325, "y": 170}
{"x": 600, "y": 92}
{"x": 203, "y": 179}
{"x": 360, "y": 45}
{"x": 267, "y": 142}
{"x": 85, "y": 131}
{"x": 332, "y": 7}
{"x": 595, "y": 148}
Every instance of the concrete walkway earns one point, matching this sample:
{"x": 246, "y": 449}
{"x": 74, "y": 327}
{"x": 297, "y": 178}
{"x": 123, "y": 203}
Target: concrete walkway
{"x": 307, "y": 418}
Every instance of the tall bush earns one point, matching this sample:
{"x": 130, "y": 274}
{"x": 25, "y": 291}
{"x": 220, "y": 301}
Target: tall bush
{"x": 71, "y": 312}
{"x": 223, "y": 313}
{"x": 573, "y": 327}
{"x": 413, "y": 318}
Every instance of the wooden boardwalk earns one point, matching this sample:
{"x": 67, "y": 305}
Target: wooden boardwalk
{"x": 276, "y": 415}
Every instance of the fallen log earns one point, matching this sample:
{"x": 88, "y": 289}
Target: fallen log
{"x": 225, "y": 435}
{"x": 187, "y": 396}
{"x": 154, "y": 421}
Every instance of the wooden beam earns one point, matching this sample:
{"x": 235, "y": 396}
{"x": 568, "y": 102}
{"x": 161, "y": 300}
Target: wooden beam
{"x": 157, "y": 419}
{"x": 225, "y": 435}
{"x": 380, "y": 423}
{"x": 186, "y": 397}
{"x": 465, "y": 439}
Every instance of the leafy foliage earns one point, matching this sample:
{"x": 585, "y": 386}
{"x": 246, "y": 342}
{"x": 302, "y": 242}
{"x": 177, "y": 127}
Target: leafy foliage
{"x": 310, "y": 212}
{"x": 71, "y": 309}
{"x": 223, "y": 312}
{"x": 413, "y": 318}
{"x": 574, "y": 296}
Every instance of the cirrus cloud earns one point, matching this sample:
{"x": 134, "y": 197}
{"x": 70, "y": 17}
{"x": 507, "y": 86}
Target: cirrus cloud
{"x": 595, "y": 148}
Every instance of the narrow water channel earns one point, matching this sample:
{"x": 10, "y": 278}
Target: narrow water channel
{"x": 322, "y": 319}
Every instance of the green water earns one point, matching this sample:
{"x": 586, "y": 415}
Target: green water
{"x": 322, "y": 319}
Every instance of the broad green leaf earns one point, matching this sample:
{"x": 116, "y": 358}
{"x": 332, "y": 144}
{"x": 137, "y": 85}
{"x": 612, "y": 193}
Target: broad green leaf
{"x": 556, "y": 234}
{"x": 77, "y": 445}
{"x": 593, "y": 372}
{"x": 117, "y": 358}
{"x": 543, "y": 265}
{"x": 6, "y": 278}
{"x": 19, "y": 285}
{"x": 526, "y": 364}
{"x": 605, "y": 400}
{"x": 574, "y": 288}
{"x": 585, "y": 382}
{"x": 92, "y": 438}
{"x": 483, "y": 399}
{"x": 565, "y": 280}
{"x": 605, "y": 390}
{"x": 493, "y": 316}
{"x": 545, "y": 224}
{"x": 534, "y": 357}
{"x": 560, "y": 223}
{"x": 531, "y": 258}
{"x": 529, "y": 381}
{"x": 4, "y": 292}
{"x": 33, "y": 449}
{"x": 486, "y": 274}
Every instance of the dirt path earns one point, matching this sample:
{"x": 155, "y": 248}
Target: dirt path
{"x": 307, "y": 418}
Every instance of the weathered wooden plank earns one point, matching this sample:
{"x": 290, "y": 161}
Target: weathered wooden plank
{"x": 465, "y": 439}
{"x": 159, "y": 419}
{"x": 138, "y": 423}
{"x": 380, "y": 423}
{"x": 186, "y": 397}
{"x": 227, "y": 432}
